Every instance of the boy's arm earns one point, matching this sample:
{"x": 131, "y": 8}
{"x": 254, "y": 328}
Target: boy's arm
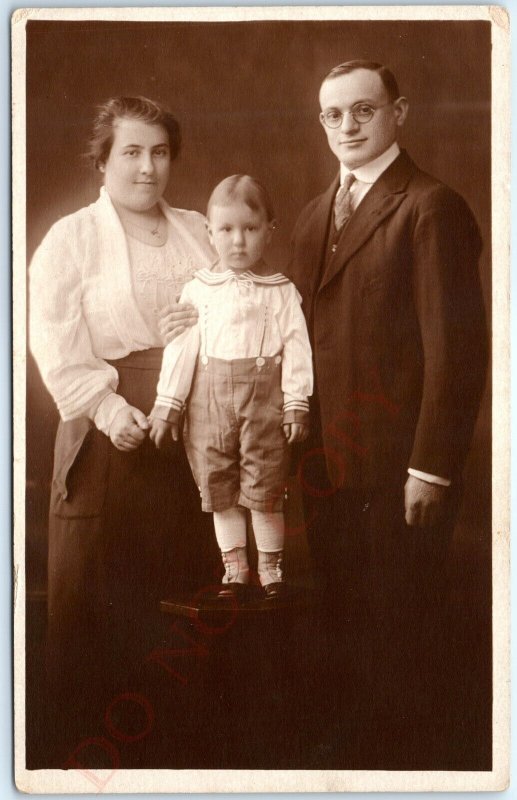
{"x": 178, "y": 366}
{"x": 297, "y": 375}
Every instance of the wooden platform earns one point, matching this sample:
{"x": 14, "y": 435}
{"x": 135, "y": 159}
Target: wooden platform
{"x": 204, "y": 605}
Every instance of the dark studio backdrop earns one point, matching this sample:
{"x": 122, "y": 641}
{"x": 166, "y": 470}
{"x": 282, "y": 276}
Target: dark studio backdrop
{"x": 245, "y": 95}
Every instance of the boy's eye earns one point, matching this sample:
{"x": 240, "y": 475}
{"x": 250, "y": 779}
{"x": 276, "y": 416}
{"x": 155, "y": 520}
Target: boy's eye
{"x": 251, "y": 228}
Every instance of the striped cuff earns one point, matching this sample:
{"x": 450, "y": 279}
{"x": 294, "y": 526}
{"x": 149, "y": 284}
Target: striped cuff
{"x": 296, "y": 405}
{"x": 166, "y": 413}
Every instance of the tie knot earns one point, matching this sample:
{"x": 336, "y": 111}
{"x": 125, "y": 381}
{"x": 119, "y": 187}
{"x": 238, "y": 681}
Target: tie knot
{"x": 348, "y": 181}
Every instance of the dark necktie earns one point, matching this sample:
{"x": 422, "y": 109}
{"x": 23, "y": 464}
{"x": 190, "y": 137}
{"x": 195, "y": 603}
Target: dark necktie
{"x": 343, "y": 203}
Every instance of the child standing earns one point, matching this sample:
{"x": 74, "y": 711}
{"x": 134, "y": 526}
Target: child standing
{"x": 246, "y": 369}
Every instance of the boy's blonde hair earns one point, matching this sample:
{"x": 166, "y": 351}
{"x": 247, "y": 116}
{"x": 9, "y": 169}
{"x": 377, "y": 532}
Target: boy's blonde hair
{"x": 245, "y": 188}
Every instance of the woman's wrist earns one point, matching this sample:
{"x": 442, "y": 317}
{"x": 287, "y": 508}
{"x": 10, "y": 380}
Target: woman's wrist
{"x": 107, "y": 410}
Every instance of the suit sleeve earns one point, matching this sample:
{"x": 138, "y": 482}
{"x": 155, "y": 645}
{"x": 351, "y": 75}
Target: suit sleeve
{"x": 451, "y": 318}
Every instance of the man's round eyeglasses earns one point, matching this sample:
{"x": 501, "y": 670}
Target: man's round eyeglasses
{"x": 361, "y": 113}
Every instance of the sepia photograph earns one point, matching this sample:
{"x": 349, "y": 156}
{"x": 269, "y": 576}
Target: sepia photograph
{"x": 261, "y": 399}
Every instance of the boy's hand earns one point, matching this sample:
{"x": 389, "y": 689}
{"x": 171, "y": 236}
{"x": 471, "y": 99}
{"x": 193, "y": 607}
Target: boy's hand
{"x": 295, "y": 432}
{"x": 161, "y": 431}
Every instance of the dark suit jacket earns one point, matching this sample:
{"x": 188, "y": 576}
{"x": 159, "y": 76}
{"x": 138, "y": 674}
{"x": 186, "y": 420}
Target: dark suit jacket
{"x": 398, "y": 329}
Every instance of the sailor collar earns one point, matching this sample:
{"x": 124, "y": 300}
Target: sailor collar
{"x": 217, "y": 278}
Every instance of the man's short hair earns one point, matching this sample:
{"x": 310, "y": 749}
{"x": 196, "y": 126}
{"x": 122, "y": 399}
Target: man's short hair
{"x": 387, "y": 77}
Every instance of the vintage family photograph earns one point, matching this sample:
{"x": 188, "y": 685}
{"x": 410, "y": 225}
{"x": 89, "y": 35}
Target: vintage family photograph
{"x": 261, "y": 399}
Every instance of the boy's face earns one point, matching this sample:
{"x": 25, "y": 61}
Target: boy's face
{"x": 239, "y": 234}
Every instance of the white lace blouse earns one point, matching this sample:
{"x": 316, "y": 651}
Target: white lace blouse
{"x": 88, "y": 304}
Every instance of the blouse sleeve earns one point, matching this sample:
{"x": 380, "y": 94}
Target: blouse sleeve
{"x": 297, "y": 380}
{"x": 59, "y": 337}
{"x": 178, "y": 367}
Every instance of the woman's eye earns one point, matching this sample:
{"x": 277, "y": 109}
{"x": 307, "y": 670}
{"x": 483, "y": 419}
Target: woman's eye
{"x": 162, "y": 152}
{"x": 131, "y": 153}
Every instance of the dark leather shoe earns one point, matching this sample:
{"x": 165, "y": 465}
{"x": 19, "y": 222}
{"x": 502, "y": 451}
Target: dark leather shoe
{"x": 274, "y": 590}
{"x": 232, "y": 591}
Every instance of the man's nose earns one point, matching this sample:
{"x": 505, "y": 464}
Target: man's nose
{"x": 348, "y": 123}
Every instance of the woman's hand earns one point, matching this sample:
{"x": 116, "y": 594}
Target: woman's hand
{"x": 128, "y": 429}
{"x": 175, "y": 318}
{"x": 161, "y": 432}
{"x": 295, "y": 432}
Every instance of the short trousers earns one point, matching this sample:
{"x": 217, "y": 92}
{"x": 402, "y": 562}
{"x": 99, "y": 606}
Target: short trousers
{"x": 233, "y": 433}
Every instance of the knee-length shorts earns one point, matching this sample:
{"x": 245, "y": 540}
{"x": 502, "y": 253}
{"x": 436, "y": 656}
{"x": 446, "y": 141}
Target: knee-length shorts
{"x": 233, "y": 433}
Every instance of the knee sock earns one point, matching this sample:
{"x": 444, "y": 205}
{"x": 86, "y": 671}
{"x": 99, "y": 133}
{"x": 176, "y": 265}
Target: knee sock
{"x": 230, "y": 532}
{"x": 230, "y": 528}
{"x": 268, "y": 527}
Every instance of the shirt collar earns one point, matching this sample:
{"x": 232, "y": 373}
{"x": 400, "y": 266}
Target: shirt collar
{"x": 370, "y": 172}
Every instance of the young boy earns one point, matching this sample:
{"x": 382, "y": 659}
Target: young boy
{"x": 246, "y": 369}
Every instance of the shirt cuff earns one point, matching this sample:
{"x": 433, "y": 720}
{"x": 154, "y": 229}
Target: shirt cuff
{"x": 166, "y": 414}
{"x": 424, "y": 476}
{"x": 107, "y": 410}
{"x": 295, "y": 415}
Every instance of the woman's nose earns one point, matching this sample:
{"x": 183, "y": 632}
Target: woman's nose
{"x": 146, "y": 164}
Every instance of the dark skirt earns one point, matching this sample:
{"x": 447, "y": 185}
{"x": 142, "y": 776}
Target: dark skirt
{"x": 126, "y": 530}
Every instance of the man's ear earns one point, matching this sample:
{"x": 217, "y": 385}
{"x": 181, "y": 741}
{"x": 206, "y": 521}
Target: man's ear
{"x": 401, "y": 108}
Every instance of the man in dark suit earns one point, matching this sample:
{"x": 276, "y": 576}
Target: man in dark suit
{"x": 386, "y": 261}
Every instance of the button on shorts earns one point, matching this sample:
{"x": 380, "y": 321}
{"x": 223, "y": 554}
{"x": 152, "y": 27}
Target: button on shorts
{"x": 233, "y": 433}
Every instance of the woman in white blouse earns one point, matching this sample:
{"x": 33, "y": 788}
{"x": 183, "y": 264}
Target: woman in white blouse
{"x": 121, "y": 512}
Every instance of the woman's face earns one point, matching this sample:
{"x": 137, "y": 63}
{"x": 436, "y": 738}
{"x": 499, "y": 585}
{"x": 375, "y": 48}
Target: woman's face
{"x": 137, "y": 169}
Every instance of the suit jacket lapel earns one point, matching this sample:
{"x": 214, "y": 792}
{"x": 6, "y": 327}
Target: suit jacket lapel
{"x": 382, "y": 200}
{"x": 313, "y": 243}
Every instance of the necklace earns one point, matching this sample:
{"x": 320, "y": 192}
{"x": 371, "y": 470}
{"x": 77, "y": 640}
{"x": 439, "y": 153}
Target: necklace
{"x": 153, "y": 231}
{"x": 157, "y": 235}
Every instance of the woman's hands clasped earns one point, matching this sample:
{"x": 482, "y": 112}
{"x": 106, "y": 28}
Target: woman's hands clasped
{"x": 128, "y": 429}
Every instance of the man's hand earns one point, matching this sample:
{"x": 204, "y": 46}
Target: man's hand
{"x": 424, "y": 502}
{"x": 295, "y": 432}
{"x": 175, "y": 318}
{"x": 128, "y": 429}
{"x": 162, "y": 432}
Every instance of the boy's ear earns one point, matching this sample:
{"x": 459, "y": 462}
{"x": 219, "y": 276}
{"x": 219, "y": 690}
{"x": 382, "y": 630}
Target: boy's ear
{"x": 208, "y": 230}
{"x": 272, "y": 227}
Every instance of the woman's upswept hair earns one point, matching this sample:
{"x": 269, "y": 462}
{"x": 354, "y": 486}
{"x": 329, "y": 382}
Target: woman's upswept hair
{"x": 245, "y": 188}
{"x": 386, "y": 75}
{"x": 139, "y": 108}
